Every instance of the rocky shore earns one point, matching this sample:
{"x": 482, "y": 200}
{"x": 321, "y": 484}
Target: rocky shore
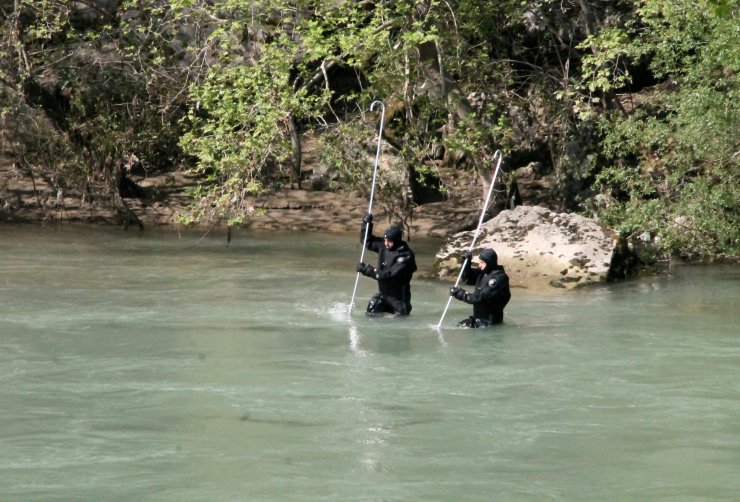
{"x": 540, "y": 247}
{"x": 24, "y": 198}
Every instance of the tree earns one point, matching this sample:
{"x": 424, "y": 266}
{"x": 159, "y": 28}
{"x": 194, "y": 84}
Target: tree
{"x": 283, "y": 68}
{"x": 91, "y": 85}
{"x": 675, "y": 160}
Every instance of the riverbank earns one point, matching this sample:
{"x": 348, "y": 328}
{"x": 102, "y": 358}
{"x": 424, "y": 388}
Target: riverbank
{"x": 25, "y": 198}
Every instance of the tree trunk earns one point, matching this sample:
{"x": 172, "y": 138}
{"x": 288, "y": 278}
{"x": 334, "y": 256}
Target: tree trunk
{"x": 295, "y": 141}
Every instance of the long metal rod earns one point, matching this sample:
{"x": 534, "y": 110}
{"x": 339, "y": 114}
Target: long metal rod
{"x": 372, "y": 192}
{"x": 477, "y": 230}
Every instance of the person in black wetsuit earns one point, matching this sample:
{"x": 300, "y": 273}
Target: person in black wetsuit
{"x": 396, "y": 265}
{"x": 491, "y": 292}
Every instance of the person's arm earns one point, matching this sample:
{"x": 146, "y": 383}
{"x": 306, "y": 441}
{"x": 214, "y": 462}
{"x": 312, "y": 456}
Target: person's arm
{"x": 469, "y": 274}
{"x": 367, "y": 270}
{"x": 460, "y": 294}
{"x": 373, "y": 243}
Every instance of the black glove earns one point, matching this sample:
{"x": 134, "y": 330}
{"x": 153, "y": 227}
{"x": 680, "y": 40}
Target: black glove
{"x": 467, "y": 256}
{"x": 366, "y": 229}
{"x": 366, "y": 269}
{"x": 458, "y": 293}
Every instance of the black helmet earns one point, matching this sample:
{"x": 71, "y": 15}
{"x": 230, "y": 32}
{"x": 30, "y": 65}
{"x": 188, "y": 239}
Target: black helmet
{"x": 393, "y": 234}
{"x": 489, "y": 256}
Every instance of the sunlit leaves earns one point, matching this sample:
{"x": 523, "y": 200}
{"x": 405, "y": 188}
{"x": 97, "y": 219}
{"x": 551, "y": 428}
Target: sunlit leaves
{"x": 604, "y": 68}
{"x": 684, "y": 139}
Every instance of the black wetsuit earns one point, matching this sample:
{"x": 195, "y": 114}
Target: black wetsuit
{"x": 393, "y": 273}
{"x": 490, "y": 296}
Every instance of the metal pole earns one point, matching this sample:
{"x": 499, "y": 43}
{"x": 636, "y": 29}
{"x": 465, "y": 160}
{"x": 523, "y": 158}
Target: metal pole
{"x": 477, "y": 231}
{"x": 372, "y": 192}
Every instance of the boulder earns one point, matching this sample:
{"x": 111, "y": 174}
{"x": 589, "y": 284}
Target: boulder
{"x": 540, "y": 248}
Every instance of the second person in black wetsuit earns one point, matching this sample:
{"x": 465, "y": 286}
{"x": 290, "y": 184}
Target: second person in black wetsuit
{"x": 491, "y": 293}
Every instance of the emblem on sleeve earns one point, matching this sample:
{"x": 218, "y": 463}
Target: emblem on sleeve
{"x": 492, "y": 282}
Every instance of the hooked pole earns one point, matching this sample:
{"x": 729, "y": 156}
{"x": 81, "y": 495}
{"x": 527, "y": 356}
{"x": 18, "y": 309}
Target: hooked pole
{"x": 372, "y": 192}
{"x": 477, "y": 230}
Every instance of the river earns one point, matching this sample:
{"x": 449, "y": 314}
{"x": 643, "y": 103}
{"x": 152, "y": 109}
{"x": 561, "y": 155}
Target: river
{"x": 171, "y": 366}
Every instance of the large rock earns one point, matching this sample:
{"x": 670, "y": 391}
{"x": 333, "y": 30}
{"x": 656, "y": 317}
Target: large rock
{"x": 541, "y": 248}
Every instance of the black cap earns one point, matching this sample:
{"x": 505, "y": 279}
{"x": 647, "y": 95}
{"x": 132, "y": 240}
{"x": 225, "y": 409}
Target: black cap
{"x": 489, "y": 256}
{"x": 393, "y": 234}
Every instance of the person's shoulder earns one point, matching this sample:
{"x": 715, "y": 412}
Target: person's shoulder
{"x": 495, "y": 278}
{"x": 403, "y": 247}
{"x": 495, "y": 273}
{"x": 404, "y": 253}
{"x": 498, "y": 271}
{"x": 499, "y": 275}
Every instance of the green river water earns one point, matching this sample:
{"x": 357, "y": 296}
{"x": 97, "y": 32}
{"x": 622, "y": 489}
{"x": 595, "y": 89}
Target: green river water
{"x": 172, "y": 367}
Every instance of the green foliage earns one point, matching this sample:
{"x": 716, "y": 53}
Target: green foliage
{"x": 98, "y": 86}
{"x": 604, "y": 68}
{"x": 342, "y": 151}
{"x": 229, "y": 87}
{"x": 677, "y": 158}
{"x": 238, "y": 127}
